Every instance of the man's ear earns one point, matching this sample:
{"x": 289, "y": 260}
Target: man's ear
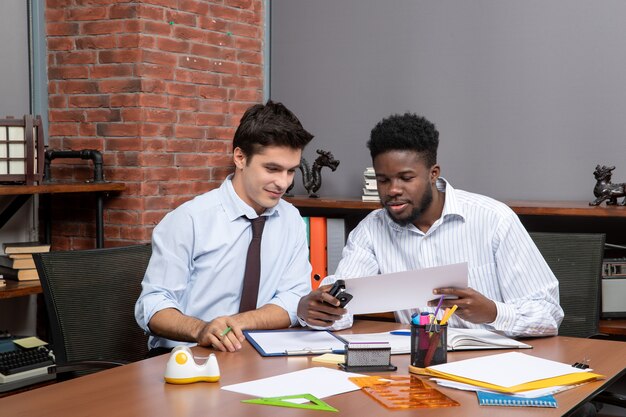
{"x": 239, "y": 158}
{"x": 435, "y": 171}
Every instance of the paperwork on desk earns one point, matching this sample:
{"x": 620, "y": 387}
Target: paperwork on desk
{"x": 402, "y": 290}
{"x": 511, "y": 372}
{"x": 318, "y": 381}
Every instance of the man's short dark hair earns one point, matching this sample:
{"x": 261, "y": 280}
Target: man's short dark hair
{"x": 270, "y": 124}
{"x": 407, "y": 132}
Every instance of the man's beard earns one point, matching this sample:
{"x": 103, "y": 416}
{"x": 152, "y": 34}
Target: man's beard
{"x": 417, "y": 211}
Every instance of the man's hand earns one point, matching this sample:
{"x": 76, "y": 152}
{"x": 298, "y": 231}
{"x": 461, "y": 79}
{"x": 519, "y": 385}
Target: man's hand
{"x": 472, "y": 305}
{"x": 215, "y": 333}
{"x": 319, "y": 308}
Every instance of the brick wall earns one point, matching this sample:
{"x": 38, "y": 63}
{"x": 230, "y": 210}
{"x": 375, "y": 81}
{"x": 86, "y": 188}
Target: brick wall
{"x": 159, "y": 87}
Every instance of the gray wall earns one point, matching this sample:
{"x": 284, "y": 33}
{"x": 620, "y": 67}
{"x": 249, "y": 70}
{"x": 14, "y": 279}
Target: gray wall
{"x": 14, "y": 65}
{"x": 528, "y": 96}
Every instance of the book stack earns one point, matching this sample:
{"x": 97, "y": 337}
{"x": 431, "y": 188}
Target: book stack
{"x": 18, "y": 263}
{"x": 370, "y": 189}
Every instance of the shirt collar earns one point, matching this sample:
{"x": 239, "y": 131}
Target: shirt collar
{"x": 451, "y": 208}
{"x": 235, "y": 207}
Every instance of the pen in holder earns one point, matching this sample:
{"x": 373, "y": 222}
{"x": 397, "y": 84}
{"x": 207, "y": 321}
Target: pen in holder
{"x": 429, "y": 344}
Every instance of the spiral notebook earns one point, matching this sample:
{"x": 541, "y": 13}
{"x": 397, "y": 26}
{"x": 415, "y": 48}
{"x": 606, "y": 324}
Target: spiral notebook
{"x": 492, "y": 398}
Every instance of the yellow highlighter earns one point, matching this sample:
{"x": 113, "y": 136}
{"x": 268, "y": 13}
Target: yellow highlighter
{"x": 448, "y": 314}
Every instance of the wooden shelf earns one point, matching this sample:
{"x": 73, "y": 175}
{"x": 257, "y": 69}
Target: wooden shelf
{"x": 58, "y": 188}
{"x": 301, "y": 201}
{"x": 613, "y": 327}
{"x": 20, "y": 288}
{"x": 565, "y": 208}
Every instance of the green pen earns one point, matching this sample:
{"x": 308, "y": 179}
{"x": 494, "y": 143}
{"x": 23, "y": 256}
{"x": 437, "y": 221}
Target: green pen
{"x": 226, "y": 331}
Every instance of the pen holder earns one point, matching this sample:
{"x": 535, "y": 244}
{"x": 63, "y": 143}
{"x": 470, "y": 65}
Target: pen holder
{"x": 429, "y": 344}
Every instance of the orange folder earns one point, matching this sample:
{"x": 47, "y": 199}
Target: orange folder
{"x": 318, "y": 250}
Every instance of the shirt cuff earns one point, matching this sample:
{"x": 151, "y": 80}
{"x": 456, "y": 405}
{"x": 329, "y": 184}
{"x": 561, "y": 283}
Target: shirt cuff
{"x": 505, "y": 317}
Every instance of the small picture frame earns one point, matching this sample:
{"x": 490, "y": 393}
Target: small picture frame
{"x": 21, "y": 150}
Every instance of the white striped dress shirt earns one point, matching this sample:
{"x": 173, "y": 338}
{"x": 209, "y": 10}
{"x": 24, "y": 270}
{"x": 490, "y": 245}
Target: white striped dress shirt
{"x": 504, "y": 263}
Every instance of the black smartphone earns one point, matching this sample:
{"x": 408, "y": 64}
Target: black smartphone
{"x": 338, "y": 290}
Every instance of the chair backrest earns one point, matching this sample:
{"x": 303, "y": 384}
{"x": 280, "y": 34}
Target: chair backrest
{"x": 90, "y": 297}
{"x": 576, "y": 261}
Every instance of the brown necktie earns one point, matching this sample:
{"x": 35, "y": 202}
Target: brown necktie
{"x": 253, "y": 267}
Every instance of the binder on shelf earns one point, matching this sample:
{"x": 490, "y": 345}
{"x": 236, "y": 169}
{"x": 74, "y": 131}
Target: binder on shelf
{"x": 318, "y": 250}
{"x": 336, "y": 240}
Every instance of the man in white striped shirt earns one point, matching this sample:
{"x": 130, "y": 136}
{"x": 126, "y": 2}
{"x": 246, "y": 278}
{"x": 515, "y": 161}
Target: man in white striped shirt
{"x": 425, "y": 223}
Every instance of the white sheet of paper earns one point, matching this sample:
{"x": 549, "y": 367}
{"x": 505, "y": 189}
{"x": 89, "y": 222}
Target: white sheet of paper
{"x": 507, "y": 369}
{"x": 277, "y": 342}
{"x": 402, "y": 290}
{"x": 318, "y": 381}
{"x": 399, "y": 343}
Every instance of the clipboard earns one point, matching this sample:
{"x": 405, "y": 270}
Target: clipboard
{"x": 294, "y": 342}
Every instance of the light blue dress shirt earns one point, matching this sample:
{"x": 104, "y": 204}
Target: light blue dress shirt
{"x": 199, "y": 255}
{"x": 504, "y": 263}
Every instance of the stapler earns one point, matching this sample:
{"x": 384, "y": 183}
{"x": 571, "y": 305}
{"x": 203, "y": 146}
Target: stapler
{"x": 182, "y": 368}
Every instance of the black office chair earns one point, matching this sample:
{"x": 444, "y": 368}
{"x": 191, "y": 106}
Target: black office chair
{"x": 90, "y": 297}
{"x": 576, "y": 261}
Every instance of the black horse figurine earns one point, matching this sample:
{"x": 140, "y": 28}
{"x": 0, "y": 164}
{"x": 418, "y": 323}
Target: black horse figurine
{"x": 312, "y": 177}
{"x": 605, "y": 190}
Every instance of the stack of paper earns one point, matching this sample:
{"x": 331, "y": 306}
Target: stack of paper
{"x": 510, "y": 373}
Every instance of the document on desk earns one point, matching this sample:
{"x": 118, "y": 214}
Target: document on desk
{"x": 294, "y": 342}
{"x": 402, "y": 290}
{"x": 318, "y": 381}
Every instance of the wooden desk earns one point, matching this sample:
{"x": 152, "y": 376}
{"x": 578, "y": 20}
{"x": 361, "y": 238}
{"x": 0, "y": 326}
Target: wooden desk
{"x": 23, "y": 192}
{"x": 138, "y": 389}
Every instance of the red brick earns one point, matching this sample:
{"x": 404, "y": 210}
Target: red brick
{"x": 161, "y": 58}
{"x": 149, "y": 12}
{"x": 187, "y": 118}
{"x": 220, "y": 132}
{"x": 118, "y": 56}
{"x": 242, "y": 82}
{"x": 245, "y": 95}
{"x": 251, "y": 18}
{"x": 153, "y": 217}
{"x": 179, "y": 188}
{"x": 86, "y": 13}
{"x": 156, "y": 203}
{"x": 212, "y": 146}
{"x": 126, "y": 203}
{"x": 191, "y": 34}
{"x": 191, "y": 160}
{"x": 122, "y": 217}
{"x": 212, "y": 92}
{"x": 87, "y": 129}
{"x": 149, "y": 159}
{"x": 180, "y": 18}
{"x": 57, "y": 101}
{"x": 194, "y": 6}
{"x": 206, "y": 119}
{"x": 61, "y": 28}
{"x": 172, "y": 45}
{"x": 103, "y": 115}
{"x": 161, "y": 174}
{"x": 250, "y": 57}
{"x": 124, "y": 100}
{"x": 248, "y": 31}
{"x": 156, "y": 129}
{"x": 117, "y": 129}
{"x": 153, "y": 100}
{"x": 103, "y": 27}
{"x": 123, "y": 11}
{"x": 249, "y": 44}
{"x": 182, "y": 89}
{"x": 63, "y": 129}
{"x": 132, "y": 40}
{"x": 154, "y": 86}
{"x": 74, "y": 57}
{"x": 60, "y": 44}
{"x": 226, "y": 13}
{"x": 241, "y": 4}
{"x": 112, "y": 71}
{"x": 156, "y": 28}
{"x": 124, "y": 144}
{"x": 211, "y": 23}
{"x": 65, "y": 72}
{"x": 219, "y": 39}
{"x": 159, "y": 115}
{"x": 180, "y": 145}
{"x": 156, "y": 71}
{"x": 183, "y": 103}
{"x": 89, "y": 101}
{"x": 210, "y": 106}
{"x": 66, "y": 116}
{"x": 83, "y": 143}
{"x": 132, "y": 114}
{"x": 119, "y": 86}
{"x": 154, "y": 144}
{"x": 251, "y": 70}
{"x": 96, "y": 42}
{"x": 78, "y": 87}
{"x": 220, "y": 173}
{"x": 195, "y": 174}
{"x": 212, "y": 51}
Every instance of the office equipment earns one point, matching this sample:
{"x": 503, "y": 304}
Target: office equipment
{"x": 338, "y": 290}
{"x": 313, "y": 403}
{"x": 137, "y": 389}
{"x": 318, "y": 251}
{"x": 368, "y": 357}
{"x": 399, "y": 343}
{"x": 429, "y": 344}
{"x": 182, "y": 367}
{"x": 403, "y": 290}
{"x": 614, "y": 288}
{"x": 23, "y": 367}
{"x": 294, "y": 342}
{"x": 403, "y": 392}
{"x": 492, "y": 398}
{"x": 90, "y": 298}
{"x": 318, "y": 381}
{"x": 509, "y": 372}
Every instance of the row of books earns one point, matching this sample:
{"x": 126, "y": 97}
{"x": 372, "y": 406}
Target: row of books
{"x": 370, "y": 188}
{"x": 17, "y": 263}
{"x": 327, "y": 237}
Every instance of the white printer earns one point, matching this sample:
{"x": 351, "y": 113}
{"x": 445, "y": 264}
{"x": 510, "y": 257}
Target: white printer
{"x": 614, "y": 288}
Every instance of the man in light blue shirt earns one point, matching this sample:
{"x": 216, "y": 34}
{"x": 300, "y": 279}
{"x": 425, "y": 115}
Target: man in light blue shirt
{"x": 425, "y": 223}
{"x": 192, "y": 289}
